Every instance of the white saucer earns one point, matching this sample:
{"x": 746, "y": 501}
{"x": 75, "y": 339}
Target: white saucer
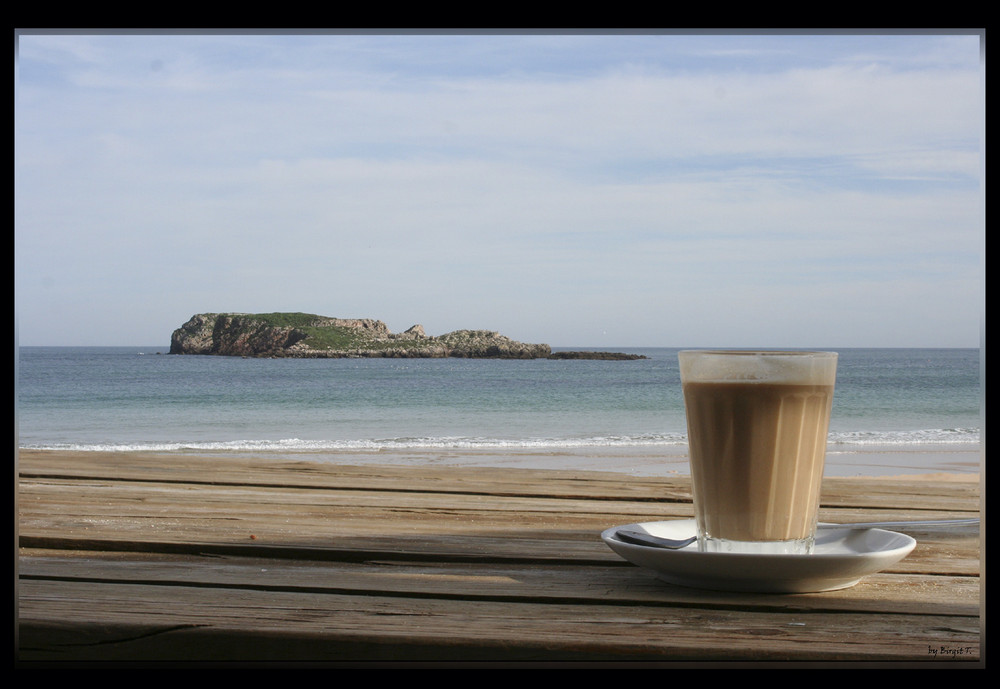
{"x": 840, "y": 558}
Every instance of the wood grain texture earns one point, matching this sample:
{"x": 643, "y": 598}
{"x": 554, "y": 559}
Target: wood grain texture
{"x": 175, "y": 558}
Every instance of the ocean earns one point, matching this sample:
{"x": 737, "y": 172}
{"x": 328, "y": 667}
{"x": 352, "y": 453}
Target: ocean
{"x": 920, "y": 404}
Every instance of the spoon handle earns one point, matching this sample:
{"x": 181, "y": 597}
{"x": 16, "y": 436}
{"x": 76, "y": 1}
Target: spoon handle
{"x": 902, "y": 524}
{"x": 642, "y": 538}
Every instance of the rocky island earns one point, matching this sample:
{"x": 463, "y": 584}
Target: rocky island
{"x": 306, "y": 335}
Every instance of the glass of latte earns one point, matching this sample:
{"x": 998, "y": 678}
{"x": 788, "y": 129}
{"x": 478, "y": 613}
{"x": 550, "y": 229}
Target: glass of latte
{"x": 757, "y": 430}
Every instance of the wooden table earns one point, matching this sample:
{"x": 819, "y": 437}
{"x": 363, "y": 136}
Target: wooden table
{"x": 128, "y": 557}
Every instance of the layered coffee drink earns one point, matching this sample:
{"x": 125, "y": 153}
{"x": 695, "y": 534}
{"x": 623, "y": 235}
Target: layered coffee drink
{"x": 757, "y": 432}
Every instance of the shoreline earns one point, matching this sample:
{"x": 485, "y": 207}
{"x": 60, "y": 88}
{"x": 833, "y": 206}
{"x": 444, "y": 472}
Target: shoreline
{"x": 930, "y": 463}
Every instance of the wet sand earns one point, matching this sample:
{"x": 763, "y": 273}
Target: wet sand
{"x": 965, "y": 464}
{"x": 936, "y": 463}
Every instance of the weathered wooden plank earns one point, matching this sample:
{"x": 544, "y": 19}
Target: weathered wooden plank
{"x": 247, "y": 559}
{"x": 71, "y": 513}
{"x": 188, "y": 624}
{"x": 226, "y": 469}
{"x": 598, "y": 584}
{"x": 948, "y": 558}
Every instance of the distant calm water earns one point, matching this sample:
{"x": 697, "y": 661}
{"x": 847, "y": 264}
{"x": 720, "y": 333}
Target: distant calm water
{"x": 130, "y": 399}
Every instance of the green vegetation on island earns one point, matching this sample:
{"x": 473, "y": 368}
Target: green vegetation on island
{"x": 305, "y": 335}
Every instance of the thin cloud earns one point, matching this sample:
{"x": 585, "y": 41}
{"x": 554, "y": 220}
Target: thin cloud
{"x": 507, "y": 180}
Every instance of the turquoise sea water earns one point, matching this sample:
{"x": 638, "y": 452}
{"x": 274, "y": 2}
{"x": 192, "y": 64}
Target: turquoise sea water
{"x": 133, "y": 399}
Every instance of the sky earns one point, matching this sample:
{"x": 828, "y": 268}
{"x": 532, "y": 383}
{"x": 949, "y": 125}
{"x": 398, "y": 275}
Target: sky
{"x": 608, "y": 189}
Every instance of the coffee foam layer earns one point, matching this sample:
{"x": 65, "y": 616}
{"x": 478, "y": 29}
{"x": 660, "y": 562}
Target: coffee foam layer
{"x": 808, "y": 368}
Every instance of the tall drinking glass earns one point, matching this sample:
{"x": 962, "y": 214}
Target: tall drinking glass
{"x": 757, "y": 431}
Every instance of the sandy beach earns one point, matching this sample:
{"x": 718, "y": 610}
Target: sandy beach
{"x": 964, "y": 464}
{"x": 939, "y": 463}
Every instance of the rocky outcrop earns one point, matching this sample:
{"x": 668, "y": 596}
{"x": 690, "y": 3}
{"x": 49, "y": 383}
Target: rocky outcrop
{"x": 233, "y": 335}
{"x": 602, "y": 356}
{"x": 310, "y": 336}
